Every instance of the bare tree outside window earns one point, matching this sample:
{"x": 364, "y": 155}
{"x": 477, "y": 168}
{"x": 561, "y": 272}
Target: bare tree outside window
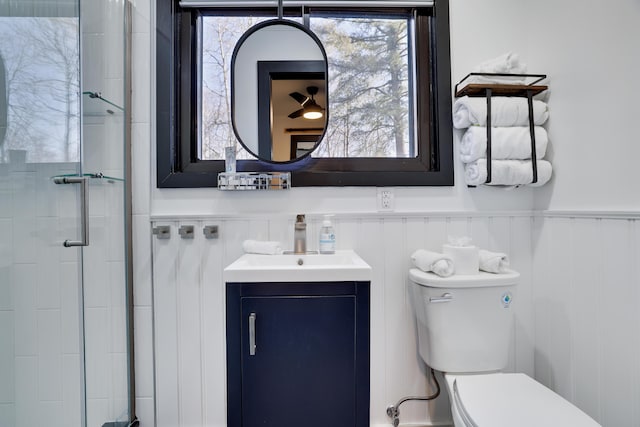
{"x": 220, "y": 35}
{"x": 368, "y": 86}
{"x": 42, "y": 88}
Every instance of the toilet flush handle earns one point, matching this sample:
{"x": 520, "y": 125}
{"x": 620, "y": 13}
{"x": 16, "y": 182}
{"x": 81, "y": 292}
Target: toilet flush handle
{"x": 446, "y": 297}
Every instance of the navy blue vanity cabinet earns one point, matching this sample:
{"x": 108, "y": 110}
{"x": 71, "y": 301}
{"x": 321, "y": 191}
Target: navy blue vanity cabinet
{"x": 298, "y": 354}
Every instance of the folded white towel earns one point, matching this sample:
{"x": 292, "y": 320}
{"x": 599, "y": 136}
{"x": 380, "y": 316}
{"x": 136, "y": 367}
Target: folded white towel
{"x": 506, "y": 143}
{"x": 498, "y": 80}
{"x": 507, "y": 172}
{"x": 261, "y": 247}
{"x": 493, "y": 262}
{"x": 505, "y": 111}
{"x": 506, "y": 63}
{"x": 439, "y": 264}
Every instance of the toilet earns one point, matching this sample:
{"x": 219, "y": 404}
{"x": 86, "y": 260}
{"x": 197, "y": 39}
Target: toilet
{"x": 464, "y": 330}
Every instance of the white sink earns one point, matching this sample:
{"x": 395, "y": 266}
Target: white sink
{"x": 344, "y": 265}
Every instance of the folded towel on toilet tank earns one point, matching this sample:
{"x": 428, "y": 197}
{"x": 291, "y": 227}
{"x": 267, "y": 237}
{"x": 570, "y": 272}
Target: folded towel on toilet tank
{"x": 493, "y": 262}
{"x": 435, "y": 262}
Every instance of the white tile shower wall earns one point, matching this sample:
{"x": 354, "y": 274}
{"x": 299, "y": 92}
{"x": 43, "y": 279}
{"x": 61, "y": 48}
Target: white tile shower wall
{"x": 39, "y": 316}
{"x": 39, "y": 300}
{"x": 189, "y": 305}
{"x": 587, "y": 312}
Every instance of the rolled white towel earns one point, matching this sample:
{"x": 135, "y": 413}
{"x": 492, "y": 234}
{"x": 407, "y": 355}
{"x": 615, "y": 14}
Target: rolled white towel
{"x": 505, "y": 111}
{"x": 439, "y": 264}
{"x": 493, "y": 262}
{"x": 506, "y": 143}
{"x": 261, "y": 247}
{"x": 507, "y": 172}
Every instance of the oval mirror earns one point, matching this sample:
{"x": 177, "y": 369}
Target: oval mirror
{"x": 279, "y": 91}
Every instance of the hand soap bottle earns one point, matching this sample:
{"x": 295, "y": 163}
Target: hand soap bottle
{"x": 327, "y": 244}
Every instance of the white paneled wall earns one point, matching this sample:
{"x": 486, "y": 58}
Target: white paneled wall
{"x": 188, "y": 297}
{"x": 587, "y": 312}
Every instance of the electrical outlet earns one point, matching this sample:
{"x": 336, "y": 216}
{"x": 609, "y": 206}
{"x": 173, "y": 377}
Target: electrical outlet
{"x": 386, "y": 199}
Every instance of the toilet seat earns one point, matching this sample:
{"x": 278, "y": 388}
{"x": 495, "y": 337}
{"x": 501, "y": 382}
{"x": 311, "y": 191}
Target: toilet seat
{"x": 507, "y": 400}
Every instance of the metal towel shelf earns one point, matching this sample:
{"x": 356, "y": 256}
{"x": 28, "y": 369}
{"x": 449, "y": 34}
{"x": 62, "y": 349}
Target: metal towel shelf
{"x": 518, "y": 90}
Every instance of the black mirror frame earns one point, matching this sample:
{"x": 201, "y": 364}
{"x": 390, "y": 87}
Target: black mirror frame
{"x": 268, "y": 67}
{"x": 176, "y": 155}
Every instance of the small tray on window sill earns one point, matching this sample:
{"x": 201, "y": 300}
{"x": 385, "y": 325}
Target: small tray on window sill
{"x": 254, "y": 181}
{"x": 502, "y": 89}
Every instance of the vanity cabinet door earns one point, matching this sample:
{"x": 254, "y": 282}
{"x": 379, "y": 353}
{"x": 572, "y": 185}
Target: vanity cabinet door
{"x": 303, "y": 368}
{"x": 299, "y": 361}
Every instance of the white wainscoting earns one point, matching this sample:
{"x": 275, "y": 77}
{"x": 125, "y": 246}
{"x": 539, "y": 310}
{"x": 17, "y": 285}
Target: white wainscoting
{"x": 188, "y": 304}
{"x": 587, "y": 311}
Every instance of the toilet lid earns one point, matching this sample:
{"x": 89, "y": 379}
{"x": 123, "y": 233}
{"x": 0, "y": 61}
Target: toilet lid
{"x": 507, "y": 400}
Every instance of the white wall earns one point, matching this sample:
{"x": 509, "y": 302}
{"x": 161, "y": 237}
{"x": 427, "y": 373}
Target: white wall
{"x": 586, "y": 242}
{"x": 577, "y": 45}
{"x": 590, "y": 51}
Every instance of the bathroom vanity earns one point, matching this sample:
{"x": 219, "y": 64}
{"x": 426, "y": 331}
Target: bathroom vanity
{"x": 298, "y": 350}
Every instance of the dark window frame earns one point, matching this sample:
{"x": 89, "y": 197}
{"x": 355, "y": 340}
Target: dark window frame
{"x": 176, "y": 117}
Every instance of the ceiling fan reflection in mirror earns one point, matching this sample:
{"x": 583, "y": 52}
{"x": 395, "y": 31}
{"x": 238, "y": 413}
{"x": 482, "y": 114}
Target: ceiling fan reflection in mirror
{"x": 310, "y": 109}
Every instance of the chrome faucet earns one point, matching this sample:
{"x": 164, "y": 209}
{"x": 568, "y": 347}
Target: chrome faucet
{"x": 300, "y": 235}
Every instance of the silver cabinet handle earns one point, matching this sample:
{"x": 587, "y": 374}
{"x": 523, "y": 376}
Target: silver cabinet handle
{"x": 84, "y": 208}
{"x": 446, "y": 297}
{"x": 252, "y": 334}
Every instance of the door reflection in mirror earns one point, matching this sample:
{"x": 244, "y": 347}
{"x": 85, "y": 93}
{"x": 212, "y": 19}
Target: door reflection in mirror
{"x": 302, "y": 144}
{"x": 286, "y": 90}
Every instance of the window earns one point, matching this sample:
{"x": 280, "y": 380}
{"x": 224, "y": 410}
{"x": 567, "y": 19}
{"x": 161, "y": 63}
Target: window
{"x": 389, "y": 95}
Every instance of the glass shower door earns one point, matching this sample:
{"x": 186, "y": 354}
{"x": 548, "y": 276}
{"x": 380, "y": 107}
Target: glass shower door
{"x": 107, "y": 331}
{"x": 41, "y": 357}
{"x": 64, "y": 329}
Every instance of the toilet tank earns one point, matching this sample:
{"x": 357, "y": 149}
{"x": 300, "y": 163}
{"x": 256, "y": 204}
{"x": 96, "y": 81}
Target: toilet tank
{"x": 464, "y": 322}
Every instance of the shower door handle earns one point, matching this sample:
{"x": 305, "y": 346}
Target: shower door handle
{"x": 84, "y": 208}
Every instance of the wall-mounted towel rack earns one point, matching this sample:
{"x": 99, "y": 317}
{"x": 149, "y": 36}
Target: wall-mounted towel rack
{"x": 528, "y": 90}
{"x": 501, "y": 89}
